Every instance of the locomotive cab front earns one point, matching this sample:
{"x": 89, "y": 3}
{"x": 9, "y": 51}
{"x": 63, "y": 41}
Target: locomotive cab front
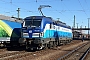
{"x": 31, "y": 31}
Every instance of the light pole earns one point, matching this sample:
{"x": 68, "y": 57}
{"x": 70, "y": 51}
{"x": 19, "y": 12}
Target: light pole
{"x": 74, "y": 22}
{"x": 77, "y": 25}
{"x": 88, "y": 27}
{"x": 18, "y": 12}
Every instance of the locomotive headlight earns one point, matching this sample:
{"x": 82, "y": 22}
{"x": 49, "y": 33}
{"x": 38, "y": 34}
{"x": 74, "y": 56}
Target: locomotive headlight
{"x": 25, "y": 34}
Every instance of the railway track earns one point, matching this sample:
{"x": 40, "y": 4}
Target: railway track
{"x": 18, "y": 55}
{"x": 3, "y": 49}
{"x": 77, "y": 54}
{"x": 23, "y": 55}
{"x": 8, "y": 54}
{"x": 87, "y": 56}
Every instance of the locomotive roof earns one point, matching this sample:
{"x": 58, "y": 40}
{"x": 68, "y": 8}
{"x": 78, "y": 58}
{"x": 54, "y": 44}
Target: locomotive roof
{"x": 54, "y": 21}
{"x": 34, "y": 17}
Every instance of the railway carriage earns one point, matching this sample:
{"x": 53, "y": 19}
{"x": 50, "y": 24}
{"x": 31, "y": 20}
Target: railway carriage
{"x": 40, "y": 32}
{"x": 9, "y": 32}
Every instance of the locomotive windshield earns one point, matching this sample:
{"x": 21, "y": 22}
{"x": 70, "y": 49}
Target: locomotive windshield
{"x": 33, "y": 23}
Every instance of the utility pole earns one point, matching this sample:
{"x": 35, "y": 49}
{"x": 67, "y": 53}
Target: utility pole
{"x": 74, "y": 22}
{"x": 81, "y": 28}
{"x": 77, "y": 25}
{"x": 18, "y": 12}
{"x": 88, "y": 27}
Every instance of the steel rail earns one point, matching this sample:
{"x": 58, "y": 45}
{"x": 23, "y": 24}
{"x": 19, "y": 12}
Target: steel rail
{"x": 85, "y": 54}
{"x": 63, "y": 57}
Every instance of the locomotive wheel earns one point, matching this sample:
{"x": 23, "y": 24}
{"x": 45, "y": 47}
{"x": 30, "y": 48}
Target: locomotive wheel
{"x": 45, "y": 46}
{"x": 50, "y": 45}
{"x": 54, "y": 44}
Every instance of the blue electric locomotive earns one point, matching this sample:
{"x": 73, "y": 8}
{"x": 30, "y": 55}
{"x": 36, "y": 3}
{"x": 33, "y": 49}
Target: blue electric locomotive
{"x": 40, "y": 32}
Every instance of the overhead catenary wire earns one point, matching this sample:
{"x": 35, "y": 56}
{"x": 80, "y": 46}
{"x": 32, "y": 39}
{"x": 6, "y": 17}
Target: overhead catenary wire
{"x": 16, "y": 6}
{"x": 82, "y": 8}
{"x": 66, "y": 7}
{"x": 87, "y": 5}
{"x": 11, "y": 1}
{"x": 7, "y": 12}
{"x": 34, "y": 1}
{"x": 13, "y": 4}
{"x": 58, "y": 11}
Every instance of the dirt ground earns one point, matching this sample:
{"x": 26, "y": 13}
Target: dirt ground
{"x": 54, "y": 54}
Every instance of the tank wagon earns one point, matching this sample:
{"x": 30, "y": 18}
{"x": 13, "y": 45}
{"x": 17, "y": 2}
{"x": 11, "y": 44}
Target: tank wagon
{"x": 40, "y": 32}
